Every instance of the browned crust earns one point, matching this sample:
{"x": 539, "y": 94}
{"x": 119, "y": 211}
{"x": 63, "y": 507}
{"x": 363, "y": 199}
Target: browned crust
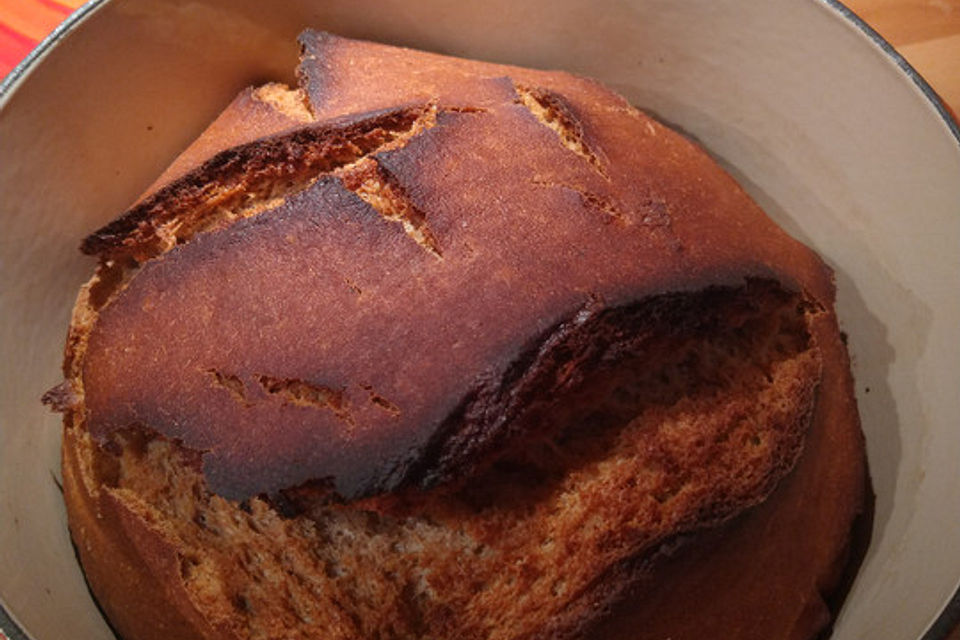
{"x": 252, "y": 115}
{"x": 434, "y": 299}
{"x": 313, "y": 147}
{"x": 475, "y": 417}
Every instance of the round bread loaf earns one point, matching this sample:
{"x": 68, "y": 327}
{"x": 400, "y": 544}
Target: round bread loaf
{"x": 435, "y": 348}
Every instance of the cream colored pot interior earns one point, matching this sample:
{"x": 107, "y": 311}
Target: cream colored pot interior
{"x": 819, "y": 124}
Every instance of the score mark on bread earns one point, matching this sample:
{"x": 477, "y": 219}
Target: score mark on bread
{"x": 452, "y": 351}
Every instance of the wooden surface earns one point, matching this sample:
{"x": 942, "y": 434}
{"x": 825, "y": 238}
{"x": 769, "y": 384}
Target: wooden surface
{"x": 926, "y": 33}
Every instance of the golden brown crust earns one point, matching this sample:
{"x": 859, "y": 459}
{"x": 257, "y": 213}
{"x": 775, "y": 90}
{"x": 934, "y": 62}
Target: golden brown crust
{"x": 392, "y": 208}
{"x": 231, "y": 178}
{"x": 157, "y": 352}
{"x": 253, "y": 114}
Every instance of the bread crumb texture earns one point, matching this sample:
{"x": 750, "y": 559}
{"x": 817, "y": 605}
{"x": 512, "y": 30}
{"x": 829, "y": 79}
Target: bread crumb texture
{"x": 695, "y": 426}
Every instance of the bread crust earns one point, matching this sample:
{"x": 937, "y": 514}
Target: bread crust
{"x": 436, "y": 142}
{"x": 179, "y": 334}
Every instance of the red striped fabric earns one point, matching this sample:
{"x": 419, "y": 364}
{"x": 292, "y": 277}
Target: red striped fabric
{"x": 24, "y": 23}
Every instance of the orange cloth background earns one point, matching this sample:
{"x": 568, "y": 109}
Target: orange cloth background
{"x": 24, "y": 23}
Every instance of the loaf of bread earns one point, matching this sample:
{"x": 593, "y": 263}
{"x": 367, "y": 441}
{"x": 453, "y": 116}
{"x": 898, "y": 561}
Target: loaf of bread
{"x": 435, "y": 348}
